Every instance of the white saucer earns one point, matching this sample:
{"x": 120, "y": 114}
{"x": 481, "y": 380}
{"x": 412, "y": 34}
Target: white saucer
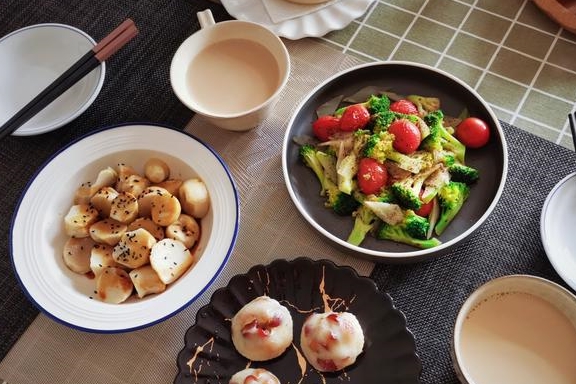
{"x": 330, "y": 18}
{"x": 33, "y": 57}
{"x": 557, "y": 228}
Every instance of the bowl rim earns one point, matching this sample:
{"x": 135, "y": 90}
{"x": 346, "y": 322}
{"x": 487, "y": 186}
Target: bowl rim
{"x": 383, "y": 256}
{"x": 536, "y": 282}
{"x": 173, "y": 311}
{"x": 94, "y": 92}
{"x": 548, "y": 248}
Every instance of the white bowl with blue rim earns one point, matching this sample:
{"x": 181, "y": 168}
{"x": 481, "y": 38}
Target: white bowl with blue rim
{"x": 37, "y": 235}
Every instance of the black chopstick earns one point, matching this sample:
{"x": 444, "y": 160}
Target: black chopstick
{"x": 92, "y": 59}
{"x": 572, "y": 127}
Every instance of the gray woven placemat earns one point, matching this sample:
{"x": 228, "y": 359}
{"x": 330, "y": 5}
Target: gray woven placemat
{"x": 431, "y": 293}
{"x": 136, "y": 88}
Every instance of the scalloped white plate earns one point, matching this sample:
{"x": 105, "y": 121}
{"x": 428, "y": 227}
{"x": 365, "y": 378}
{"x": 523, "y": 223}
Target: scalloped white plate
{"x": 33, "y": 57}
{"x": 319, "y": 23}
{"x": 37, "y": 236}
{"x": 557, "y": 223}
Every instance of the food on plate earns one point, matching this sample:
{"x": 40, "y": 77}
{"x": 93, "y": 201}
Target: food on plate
{"x": 262, "y": 329}
{"x": 194, "y": 197}
{"x": 331, "y": 341}
{"x": 395, "y": 164}
{"x": 130, "y": 233}
{"x": 254, "y": 376}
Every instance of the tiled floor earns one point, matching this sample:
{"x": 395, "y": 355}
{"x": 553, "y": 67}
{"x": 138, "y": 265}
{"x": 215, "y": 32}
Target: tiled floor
{"x": 518, "y": 59}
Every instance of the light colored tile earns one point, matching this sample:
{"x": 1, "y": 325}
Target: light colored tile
{"x": 486, "y": 25}
{"x": 430, "y": 34}
{"x": 343, "y": 36}
{"x": 501, "y": 92}
{"x": 410, "y": 5}
{"x": 557, "y": 81}
{"x": 515, "y": 66}
{"x": 564, "y": 55}
{"x": 533, "y": 16}
{"x": 529, "y": 41}
{"x": 501, "y": 114}
{"x": 472, "y": 50}
{"x": 411, "y": 52}
{"x": 374, "y": 43}
{"x": 506, "y": 8}
{"x": 390, "y": 19}
{"x": 446, "y": 11}
{"x": 537, "y": 129}
{"x": 567, "y": 142}
{"x": 546, "y": 109}
{"x": 466, "y": 73}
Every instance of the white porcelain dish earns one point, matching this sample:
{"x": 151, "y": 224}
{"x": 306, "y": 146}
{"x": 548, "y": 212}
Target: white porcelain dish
{"x": 33, "y": 57}
{"x": 37, "y": 233}
{"x": 557, "y": 223}
{"x": 330, "y": 18}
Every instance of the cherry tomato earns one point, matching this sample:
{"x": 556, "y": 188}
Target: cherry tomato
{"x": 372, "y": 176}
{"x": 404, "y": 106}
{"x": 325, "y": 126}
{"x": 406, "y": 136}
{"x": 354, "y": 117}
{"x": 473, "y": 132}
{"x": 425, "y": 209}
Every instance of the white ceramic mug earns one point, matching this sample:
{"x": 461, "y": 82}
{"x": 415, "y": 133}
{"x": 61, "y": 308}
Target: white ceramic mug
{"x": 230, "y": 72}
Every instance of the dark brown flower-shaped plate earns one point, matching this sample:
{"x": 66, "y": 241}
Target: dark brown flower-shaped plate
{"x": 303, "y": 286}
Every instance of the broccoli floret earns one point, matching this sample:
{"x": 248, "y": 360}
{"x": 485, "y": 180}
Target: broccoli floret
{"x": 425, "y": 104}
{"x": 377, "y": 104}
{"x": 463, "y": 173}
{"x": 412, "y": 230}
{"x": 364, "y": 220}
{"x": 451, "y": 198}
{"x": 382, "y": 120}
{"x": 379, "y": 146}
{"x": 407, "y": 191}
{"x": 308, "y": 156}
{"x": 398, "y": 234}
{"x": 342, "y": 203}
{"x": 440, "y": 139}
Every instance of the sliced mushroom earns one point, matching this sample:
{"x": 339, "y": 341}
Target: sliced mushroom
{"x": 124, "y": 208}
{"x": 107, "y": 231}
{"x": 135, "y": 184}
{"x": 101, "y": 258}
{"x": 133, "y": 249}
{"x": 194, "y": 198}
{"x": 165, "y": 209}
{"x": 146, "y": 281}
{"x": 170, "y": 259}
{"x": 78, "y": 220}
{"x": 145, "y": 222}
{"x": 106, "y": 177}
{"x": 102, "y": 200}
{"x": 145, "y": 199}
{"x": 156, "y": 170}
{"x": 186, "y": 229}
{"x": 113, "y": 285}
{"x": 76, "y": 254}
{"x": 172, "y": 186}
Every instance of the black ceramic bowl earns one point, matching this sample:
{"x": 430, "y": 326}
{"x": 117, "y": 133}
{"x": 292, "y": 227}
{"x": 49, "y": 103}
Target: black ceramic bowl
{"x": 402, "y": 78}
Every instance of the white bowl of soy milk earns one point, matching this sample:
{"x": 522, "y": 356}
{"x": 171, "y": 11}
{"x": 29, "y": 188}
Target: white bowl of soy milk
{"x": 516, "y": 329}
{"x": 231, "y": 72}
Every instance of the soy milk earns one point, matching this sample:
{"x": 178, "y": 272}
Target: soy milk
{"x": 232, "y": 76}
{"x": 518, "y": 338}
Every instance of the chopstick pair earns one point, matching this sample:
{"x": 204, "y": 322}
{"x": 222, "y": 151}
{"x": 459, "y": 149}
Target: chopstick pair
{"x": 92, "y": 59}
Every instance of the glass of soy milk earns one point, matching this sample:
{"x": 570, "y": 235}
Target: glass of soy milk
{"x": 230, "y": 72}
{"x": 516, "y": 329}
